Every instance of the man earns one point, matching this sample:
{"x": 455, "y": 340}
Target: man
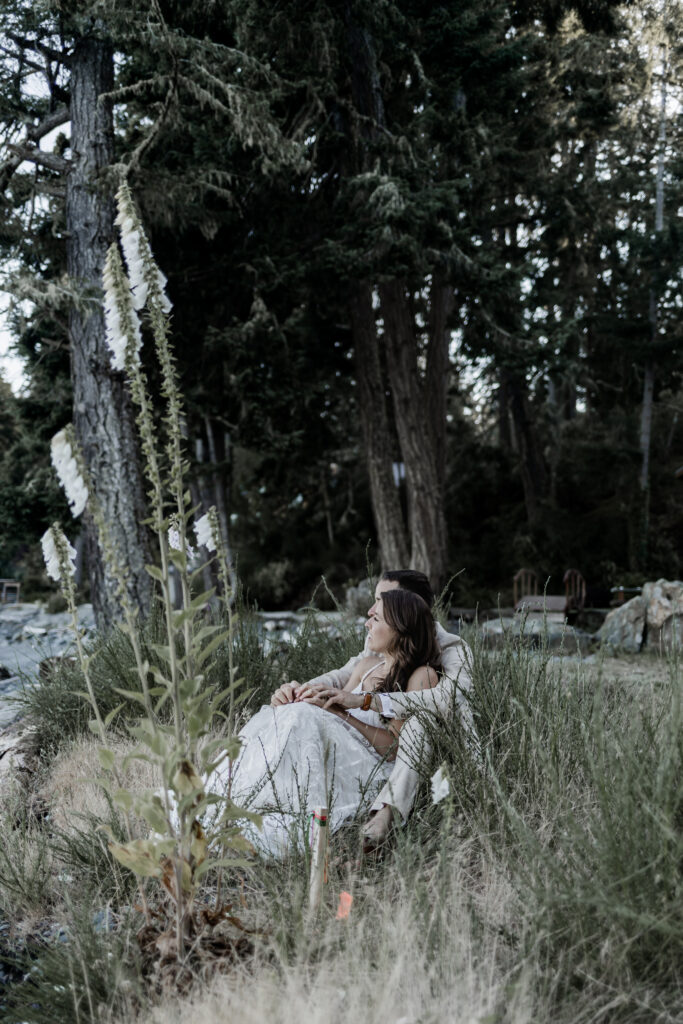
{"x": 399, "y": 791}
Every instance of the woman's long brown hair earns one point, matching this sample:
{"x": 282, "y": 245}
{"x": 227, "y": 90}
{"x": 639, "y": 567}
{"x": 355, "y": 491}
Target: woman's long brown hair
{"x": 415, "y": 643}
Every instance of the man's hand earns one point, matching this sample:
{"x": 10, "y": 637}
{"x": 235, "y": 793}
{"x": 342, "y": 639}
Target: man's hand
{"x": 285, "y": 694}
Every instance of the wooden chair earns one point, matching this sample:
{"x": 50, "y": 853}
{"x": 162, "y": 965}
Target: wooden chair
{"x": 9, "y": 591}
{"x": 524, "y": 584}
{"x": 575, "y": 590}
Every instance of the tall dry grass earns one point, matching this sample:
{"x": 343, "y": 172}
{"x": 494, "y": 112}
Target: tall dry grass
{"x": 546, "y": 888}
{"x": 415, "y": 947}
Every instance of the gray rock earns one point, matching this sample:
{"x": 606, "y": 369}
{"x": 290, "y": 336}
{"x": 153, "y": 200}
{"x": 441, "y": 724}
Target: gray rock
{"x": 17, "y": 756}
{"x": 555, "y": 635}
{"x": 653, "y": 620}
{"x": 624, "y": 626}
{"x": 359, "y": 599}
{"x": 14, "y": 613}
{"x": 35, "y": 630}
{"x": 664, "y": 615}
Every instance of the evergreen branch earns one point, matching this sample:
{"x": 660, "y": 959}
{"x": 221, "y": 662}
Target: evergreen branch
{"x": 139, "y": 88}
{"x": 171, "y": 95}
{"x": 21, "y": 59}
{"x": 60, "y": 57}
{"x": 154, "y": 131}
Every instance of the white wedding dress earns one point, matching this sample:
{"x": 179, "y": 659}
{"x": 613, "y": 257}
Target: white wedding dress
{"x": 295, "y": 758}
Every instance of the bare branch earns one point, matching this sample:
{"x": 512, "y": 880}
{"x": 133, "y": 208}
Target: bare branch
{"x": 37, "y": 156}
{"x": 51, "y": 187}
{"x": 24, "y": 152}
{"x": 49, "y": 122}
{"x": 61, "y": 56}
{"x": 21, "y": 59}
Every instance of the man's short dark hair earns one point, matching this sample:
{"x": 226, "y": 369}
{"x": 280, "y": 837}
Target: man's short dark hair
{"x": 411, "y": 579}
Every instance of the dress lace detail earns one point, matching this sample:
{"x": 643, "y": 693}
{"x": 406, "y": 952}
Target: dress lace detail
{"x": 294, "y": 758}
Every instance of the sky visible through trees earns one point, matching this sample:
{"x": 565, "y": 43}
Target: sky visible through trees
{"x": 404, "y": 242}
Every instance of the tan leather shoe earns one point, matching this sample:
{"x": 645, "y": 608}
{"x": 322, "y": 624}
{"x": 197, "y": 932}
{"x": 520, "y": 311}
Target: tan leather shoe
{"x": 377, "y": 830}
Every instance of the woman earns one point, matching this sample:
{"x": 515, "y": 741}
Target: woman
{"x": 331, "y": 748}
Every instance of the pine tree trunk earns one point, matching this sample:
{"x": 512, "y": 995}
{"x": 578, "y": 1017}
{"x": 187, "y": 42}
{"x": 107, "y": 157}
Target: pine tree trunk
{"x": 442, "y": 302}
{"x": 377, "y": 434}
{"x": 503, "y": 410}
{"x": 535, "y": 479}
{"x": 220, "y": 458}
{"x": 103, "y": 415}
{"x": 649, "y": 372}
{"x": 379, "y": 437}
{"x": 426, "y": 519}
{"x": 420, "y": 426}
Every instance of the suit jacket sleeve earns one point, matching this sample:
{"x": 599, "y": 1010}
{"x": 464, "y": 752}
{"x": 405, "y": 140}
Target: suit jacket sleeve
{"x": 456, "y": 664}
{"x": 338, "y": 677}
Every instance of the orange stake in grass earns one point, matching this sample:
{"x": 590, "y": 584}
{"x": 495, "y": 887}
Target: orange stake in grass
{"x": 344, "y": 908}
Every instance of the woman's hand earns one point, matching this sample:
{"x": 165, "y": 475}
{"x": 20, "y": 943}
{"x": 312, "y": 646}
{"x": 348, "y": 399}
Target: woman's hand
{"x": 335, "y": 701}
{"x": 308, "y": 692}
{"x": 285, "y": 694}
{"x": 293, "y": 691}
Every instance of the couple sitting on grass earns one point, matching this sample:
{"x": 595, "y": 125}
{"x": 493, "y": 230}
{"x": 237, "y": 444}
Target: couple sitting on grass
{"x": 346, "y": 740}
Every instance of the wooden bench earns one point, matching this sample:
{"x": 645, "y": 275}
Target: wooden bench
{"x": 9, "y": 591}
{"x": 527, "y": 600}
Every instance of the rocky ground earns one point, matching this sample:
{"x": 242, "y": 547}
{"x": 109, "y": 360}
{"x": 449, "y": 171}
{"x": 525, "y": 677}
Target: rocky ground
{"x": 28, "y": 635}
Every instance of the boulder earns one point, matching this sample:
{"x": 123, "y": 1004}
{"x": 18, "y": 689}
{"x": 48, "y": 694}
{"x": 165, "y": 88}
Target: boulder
{"x": 18, "y": 613}
{"x": 664, "y": 614}
{"x": 624, "y": 626}
{"x": 359, "y": 599}
{"x": 653, "y": 620}
{"x": 18, "y": 758}
{"x": 35, "y": 631}
{"x": 554, "y": 635}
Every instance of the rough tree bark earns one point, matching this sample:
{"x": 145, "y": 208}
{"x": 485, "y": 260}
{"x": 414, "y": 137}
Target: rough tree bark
{"x": 377, "y": 434}
{"x": 419, "y": 402}
{"x": 416, "y": 430}
{"x": 212, "y": 485}
{"x": 653, "y": 316}
{"x": 103, "y": 416}
{"x": 535, "y": 478}
{"x": 442, "y": 303}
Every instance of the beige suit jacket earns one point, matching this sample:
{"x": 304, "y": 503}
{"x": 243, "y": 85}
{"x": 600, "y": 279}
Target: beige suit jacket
{"x": 456, "y": 665}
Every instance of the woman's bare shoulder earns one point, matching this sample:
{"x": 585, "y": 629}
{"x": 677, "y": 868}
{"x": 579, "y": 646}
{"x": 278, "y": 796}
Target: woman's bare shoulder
{"x": 423, "y": 678}
{"x": 360, "y": 668}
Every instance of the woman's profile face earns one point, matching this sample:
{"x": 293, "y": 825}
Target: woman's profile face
{"x": 380, "y": 633}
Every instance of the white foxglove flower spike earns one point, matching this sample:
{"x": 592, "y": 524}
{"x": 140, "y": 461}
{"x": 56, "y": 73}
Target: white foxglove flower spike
{"x": 67, "y": 470}
{"x": 52, "y": 540}
{"x": 143, "y": 272}
{"x": 441, "y": 787}
{"x": 204, "y": 533}
{"x": 120, "y": 319}
{"x": 174, "y": 542}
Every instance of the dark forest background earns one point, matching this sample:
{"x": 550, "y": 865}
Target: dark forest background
{"x": 425, "y": 261}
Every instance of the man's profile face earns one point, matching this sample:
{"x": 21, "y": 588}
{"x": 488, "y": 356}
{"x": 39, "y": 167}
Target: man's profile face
{"x": 381, "y": 588}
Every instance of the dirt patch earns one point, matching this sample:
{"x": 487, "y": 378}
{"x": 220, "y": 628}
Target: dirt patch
{"x": 645, "y": 668}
